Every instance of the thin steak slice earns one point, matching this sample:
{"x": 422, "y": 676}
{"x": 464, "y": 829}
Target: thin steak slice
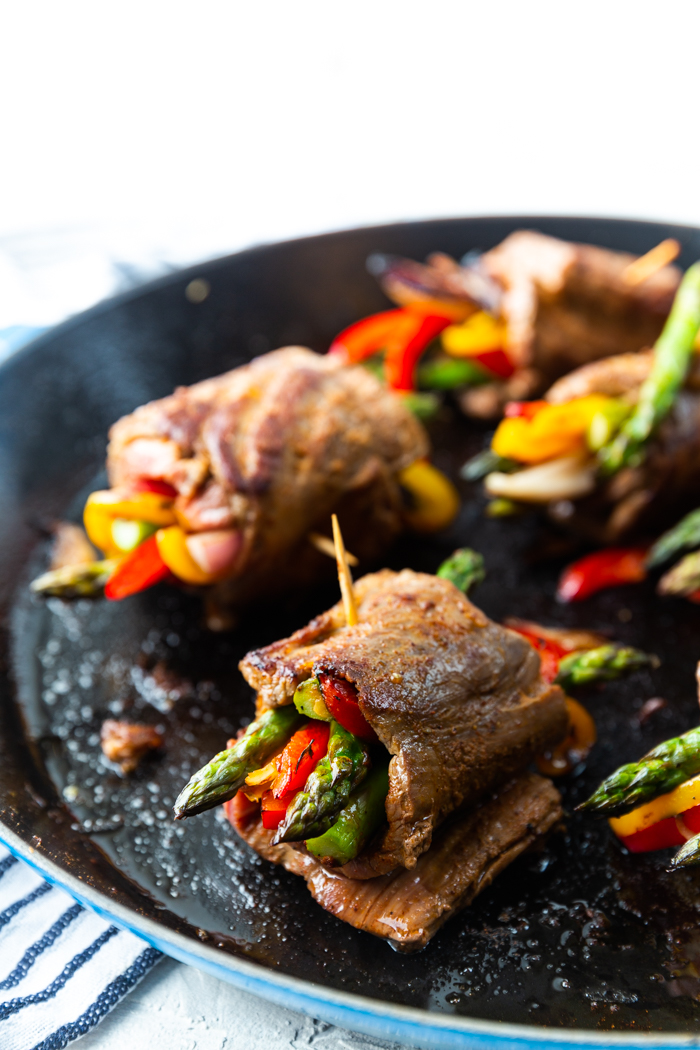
{"x": 408, "y": 907}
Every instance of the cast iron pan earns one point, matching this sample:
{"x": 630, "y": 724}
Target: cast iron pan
{"x": 579, "y": 943}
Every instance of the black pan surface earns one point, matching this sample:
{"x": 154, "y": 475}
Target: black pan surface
{"x": 579, "y": 936}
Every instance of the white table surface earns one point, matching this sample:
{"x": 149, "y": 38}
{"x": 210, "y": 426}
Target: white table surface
{"x": 179, "y": 1008}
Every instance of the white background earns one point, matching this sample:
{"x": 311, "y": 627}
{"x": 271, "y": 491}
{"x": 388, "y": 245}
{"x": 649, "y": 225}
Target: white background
{"x": 168, "y": 131}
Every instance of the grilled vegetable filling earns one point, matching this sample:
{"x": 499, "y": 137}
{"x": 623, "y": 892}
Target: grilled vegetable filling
{"x": 316, "y": 769}
{"x": 662, "y": 795}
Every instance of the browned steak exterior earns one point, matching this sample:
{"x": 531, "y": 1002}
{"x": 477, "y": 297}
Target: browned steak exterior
{"x": 467, "y": 853}
{"x": 566, "y": 304}
{"x": 456, "y": 699}
{"x": 272, "y": 449}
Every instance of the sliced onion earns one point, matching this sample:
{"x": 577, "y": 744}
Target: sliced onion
{"x": 567, "y": 478}
{"x": 215, "y": 550}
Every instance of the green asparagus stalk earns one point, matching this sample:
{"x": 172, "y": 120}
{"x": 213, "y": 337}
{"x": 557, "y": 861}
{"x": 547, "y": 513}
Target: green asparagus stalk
{"x": 659, "y": 771}
{"x": 357, "y": 822}
{"x": 464, "y": 568}
{"x": 599, "y": 665}
{"x": 672, "y": 354}
{"x": 683, "y": 578}
{"x": 450, "y": 372}
{"x": 682, "y": 536}
{"x": 688, "y": 855}
{"x": 221, "y": 778}
{"x": 75, "y": 581}
{"x": 485, "y": 462}
{"x": 313, "y": 810}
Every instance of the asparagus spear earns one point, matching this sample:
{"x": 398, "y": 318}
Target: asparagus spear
{"x": 464, "y": 568}
{"x": 601, "y": 664}
{"x": 363, "y": 815}
{"x": 683, "y": 578}
{"x": 659, "y": 771}
{"x": 221, "y": 778}
{"x": 76, "y": 581}
{"x": 485, "y": 462}
{"x": 672, "y": 354}
{"x": 683, "y": 535}
{"x": 688, "y": 854}
{"x": 312, "y": 811}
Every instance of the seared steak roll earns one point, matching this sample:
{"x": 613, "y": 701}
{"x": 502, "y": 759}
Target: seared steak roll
{"x": 566, "y": 304}
{"x": 638, "y": 498}
{"x": 392, "y": 746}
{"x": 456, "y": 700}
{"x": 222, "y": 483}
{"x": 408, "y": 907}
{"x": 547, "y": 306}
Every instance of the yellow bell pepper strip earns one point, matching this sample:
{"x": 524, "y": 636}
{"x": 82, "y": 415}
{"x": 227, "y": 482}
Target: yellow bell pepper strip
{"x": 576, "y": 745}
{"x": 552, "y": 432}
{"x": 478, "y": 333}
{"x": 172, "y": 547}
{"x": 103, "y": 507}
{"x": 669, "y": 820}
{"x": 434, "y": 499}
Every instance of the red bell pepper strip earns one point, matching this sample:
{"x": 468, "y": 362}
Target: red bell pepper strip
{"x": 366, "y": 337}
{"x": 606, "y": 568}
{"x": 240, "y": 810}
{"x": 162, "y": 488}
{"x": 664, "y": 833}
{"x": 341, "y": 700}
{"x": 139, "y": 570}
{"x": 300, "y": 757}
{"x": 523, "y": 409}
{"x": 550, "y": 653}
{"x": 403, "y": 354}
{"x": 274, "y": 809}
{"x": 497, "y": 361}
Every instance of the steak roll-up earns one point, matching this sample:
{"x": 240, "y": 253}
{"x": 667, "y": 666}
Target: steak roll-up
{"x": 614, "y": 447}
{"x": 549, "y": 305}
{"x": 229, "y": 484}
{"x": 444, "y": 711}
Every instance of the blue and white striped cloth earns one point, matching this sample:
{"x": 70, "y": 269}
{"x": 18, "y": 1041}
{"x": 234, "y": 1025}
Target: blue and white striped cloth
{"x": 62, "y": 967}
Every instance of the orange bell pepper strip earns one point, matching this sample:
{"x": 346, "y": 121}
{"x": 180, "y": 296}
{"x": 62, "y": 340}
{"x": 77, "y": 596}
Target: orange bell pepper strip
{"x": 143, "y": 568}
{"x": 300, "y": 757}
{"x": 575, "y": 747}
{"x": 523, "y": 409}
{"x": 550, "y": 432}
{"x": 605, "y": 568}
{"x": 162, "y": 488}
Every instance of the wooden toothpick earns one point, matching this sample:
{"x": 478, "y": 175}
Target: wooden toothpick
{"x": 344, "y": 577}
{"x": 647, "y": 265}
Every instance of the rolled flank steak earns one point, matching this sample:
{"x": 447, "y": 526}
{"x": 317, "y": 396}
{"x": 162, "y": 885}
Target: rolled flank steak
{"x": 248, "y": 464}
{"x": 424, "y": 682}
{"x": 408, "y": 906}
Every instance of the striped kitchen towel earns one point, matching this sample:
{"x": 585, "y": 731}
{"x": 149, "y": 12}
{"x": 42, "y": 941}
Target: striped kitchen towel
{"x": 62, "y": 967}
